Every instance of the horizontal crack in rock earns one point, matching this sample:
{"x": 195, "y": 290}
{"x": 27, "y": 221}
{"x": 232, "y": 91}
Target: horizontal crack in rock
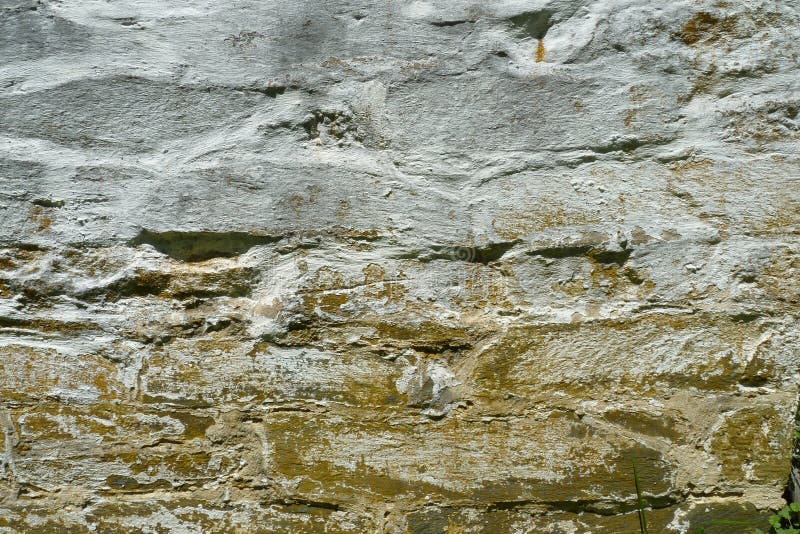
{"x": 199, "y": 246}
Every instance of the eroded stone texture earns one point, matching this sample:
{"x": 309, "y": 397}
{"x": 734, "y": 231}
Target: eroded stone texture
{"x": 395, "y": 267}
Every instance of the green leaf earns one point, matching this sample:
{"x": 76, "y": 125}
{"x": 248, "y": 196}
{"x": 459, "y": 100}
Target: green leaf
{"x": 794, "y": 507}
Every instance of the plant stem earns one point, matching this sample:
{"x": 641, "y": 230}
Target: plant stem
{"x": 639, "y": 502}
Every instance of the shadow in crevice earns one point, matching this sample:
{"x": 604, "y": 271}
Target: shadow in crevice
{"x": 532, "y": 24}
{"x": 202, "y": 245}
{"x": 792, "y": 491}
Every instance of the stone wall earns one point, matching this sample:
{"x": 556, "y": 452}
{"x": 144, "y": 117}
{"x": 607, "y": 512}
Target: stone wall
{"x": 396, "y": 266}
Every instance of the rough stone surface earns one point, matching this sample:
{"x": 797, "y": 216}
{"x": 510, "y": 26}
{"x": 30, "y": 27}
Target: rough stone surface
{"x": 413, "y": 266}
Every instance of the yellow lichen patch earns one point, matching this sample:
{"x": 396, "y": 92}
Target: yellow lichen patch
{"x": 328, "y": 291}
{"x": 768, "y": 123}
{"x": 31, "y": 373}
{"x": 343, "y": 210}
{"x": 354, "y": 234}
{"x": 645, "y": 423}
{"x": 485, "y": 288}
{"x": 194, "y": 426}
{"x": 518, "y": 224}
{"x": 16, "y": 258}
{"x": 711, "y": 179}
{"x": 540, "y": 50}
{"x": 328, "y": 302}
{"x": 706, "y": 352}
{"x": 141, "y": 282}
{"x": 296, "y": 202}
{"x": 574, "y": 287}
{"x": 198, "y": 374}
{"x": 640, "y": 237}
{"x": 703, "y": 83}
{"x": 376, "y": 288}
{"x": 40, "y": 218}
{"x": 6, "y": 262}
{"x": 540, "y": 519}
{"x": 700, "y": 26}
{"x": 754, "y": 444}
{"x": 606, "y": 280}
{"x": 108, "y": 422}
{"x": 45, "y": 425}
{"x": 326, "y": 278}
{"x": 215, "y": 277}
{"x": 413, "y": 67}
{"x": 373, "y": 457}
{"x": 180, "y": 466}
{"x": 373, "y": 273}
{"x": 780, "y": 278}
{"x": 637, "y": 94}
{"x": 605, "y": 276}
{"x": 126, "y": 484}
{"x": 50, "y": 326}
{"x": 426, "y": 335}
{"x": 388, "y": 291}
{"x": 207, "y": 513}
{"x": 698, "y": 166}
{"x": 783, "y": 219}
{"x": 630, "y": 116}
{"x": 710, "y": 28}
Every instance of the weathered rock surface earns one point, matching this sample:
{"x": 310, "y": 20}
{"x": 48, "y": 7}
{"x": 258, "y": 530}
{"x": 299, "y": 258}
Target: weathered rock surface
{"x": 423, "y": 266}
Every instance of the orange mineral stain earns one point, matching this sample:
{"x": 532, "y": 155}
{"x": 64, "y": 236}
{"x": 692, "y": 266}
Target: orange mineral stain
{"x": 540, "y": 51}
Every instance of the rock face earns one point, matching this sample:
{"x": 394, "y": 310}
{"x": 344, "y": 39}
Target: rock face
{"x": 419, "y": 266}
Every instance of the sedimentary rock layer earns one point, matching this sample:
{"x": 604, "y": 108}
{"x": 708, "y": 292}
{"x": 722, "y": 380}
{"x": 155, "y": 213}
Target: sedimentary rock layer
{"x": 358, "y": 266}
